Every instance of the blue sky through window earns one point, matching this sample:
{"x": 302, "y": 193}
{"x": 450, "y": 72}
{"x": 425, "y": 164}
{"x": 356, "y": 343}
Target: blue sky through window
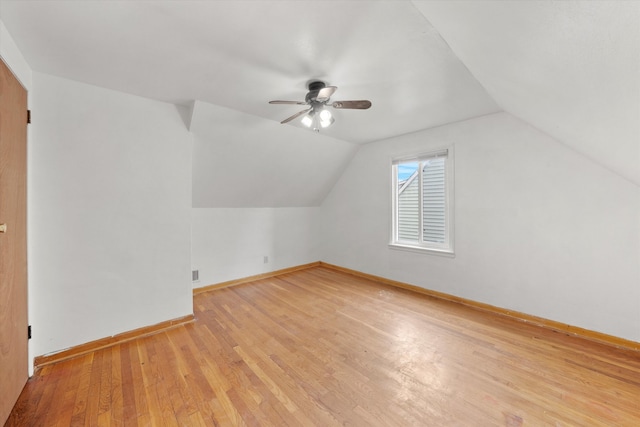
{"x": 405, "y": 170}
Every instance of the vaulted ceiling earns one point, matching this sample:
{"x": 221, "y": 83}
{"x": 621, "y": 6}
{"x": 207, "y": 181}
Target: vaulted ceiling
{"x": 569, "y": 68}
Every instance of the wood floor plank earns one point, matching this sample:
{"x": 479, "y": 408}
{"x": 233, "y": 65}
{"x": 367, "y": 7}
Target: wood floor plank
{"x": 53, "y": 385}
{"x": 148, "y": 382}
{"x": 81, "y": 391}
{"x": 117, "y": 396}
{"x": 68, "y": 392}
{"x": 319, "y": 347}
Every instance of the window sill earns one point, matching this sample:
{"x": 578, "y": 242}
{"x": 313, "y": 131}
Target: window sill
{"x": 422, "y": 250}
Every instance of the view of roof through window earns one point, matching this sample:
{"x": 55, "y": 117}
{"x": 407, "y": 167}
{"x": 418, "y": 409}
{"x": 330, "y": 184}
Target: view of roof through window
{"x": 405, "y": 170}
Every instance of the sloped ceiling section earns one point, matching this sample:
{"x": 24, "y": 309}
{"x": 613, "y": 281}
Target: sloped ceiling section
{"x": 569, "y": 68}
{"x": 241, "y": 160}
{"x": 241, "y": 54}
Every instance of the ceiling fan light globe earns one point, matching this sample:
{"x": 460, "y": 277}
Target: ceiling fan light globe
{"x": 326, "y": 119}
{"x": 307, "y": 121}
{"x": 325, "y": 115}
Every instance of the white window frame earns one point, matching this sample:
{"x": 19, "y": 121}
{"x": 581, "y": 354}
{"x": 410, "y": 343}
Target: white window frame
{"x": 447, "y": 248}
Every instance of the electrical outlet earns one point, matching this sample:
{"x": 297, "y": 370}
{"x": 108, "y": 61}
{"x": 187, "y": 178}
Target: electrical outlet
{"x": 195, "y": 275}
{"x": 266, "y": 259}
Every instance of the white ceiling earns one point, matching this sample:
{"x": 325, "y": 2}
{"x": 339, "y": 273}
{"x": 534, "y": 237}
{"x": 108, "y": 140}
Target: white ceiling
{"x": 569, "y": 68}
{"x": 241, "y": 54}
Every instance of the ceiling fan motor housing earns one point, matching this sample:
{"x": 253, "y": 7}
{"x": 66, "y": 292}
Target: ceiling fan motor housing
{"x": 314, "y": 88}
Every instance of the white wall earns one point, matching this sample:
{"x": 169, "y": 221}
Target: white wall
{"x": 231, "y": 243}
{"x": 539, "y": 228}
{"x": 257, "y": 187}
{"x": 109, "y": 198}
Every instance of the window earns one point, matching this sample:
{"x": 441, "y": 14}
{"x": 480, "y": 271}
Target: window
{"x": 423, "y": 202}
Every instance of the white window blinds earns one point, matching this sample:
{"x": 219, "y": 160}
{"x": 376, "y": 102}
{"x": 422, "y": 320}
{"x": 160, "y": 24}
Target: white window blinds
{"x": 434, "y": 200}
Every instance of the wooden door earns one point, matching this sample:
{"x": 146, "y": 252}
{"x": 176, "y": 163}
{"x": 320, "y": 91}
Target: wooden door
{"x": 13, "y": 241}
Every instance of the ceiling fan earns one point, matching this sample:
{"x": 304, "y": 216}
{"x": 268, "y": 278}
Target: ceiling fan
{"x": 317, "y": 116}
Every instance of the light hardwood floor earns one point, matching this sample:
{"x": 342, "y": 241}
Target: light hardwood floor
{"x": 322, "y": 348}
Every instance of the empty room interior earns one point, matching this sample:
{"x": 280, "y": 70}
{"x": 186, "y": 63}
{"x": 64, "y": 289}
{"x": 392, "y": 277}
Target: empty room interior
{"x": 319, "y": 213}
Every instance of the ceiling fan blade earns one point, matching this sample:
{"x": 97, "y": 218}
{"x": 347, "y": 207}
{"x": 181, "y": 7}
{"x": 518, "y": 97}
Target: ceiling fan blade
{"x": 325, "y": 93}
{"x": 288, "y": 102}
{"x": 356, "y": 105}
{"x": 295, "y": 116}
